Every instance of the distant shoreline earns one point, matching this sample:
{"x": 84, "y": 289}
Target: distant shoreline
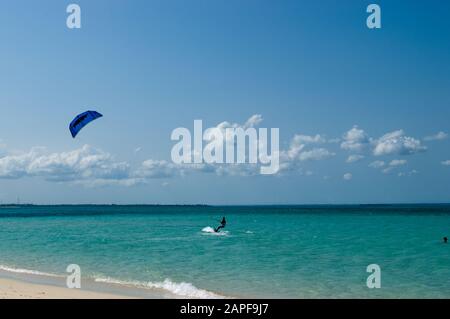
{"x": 230, "y": 205}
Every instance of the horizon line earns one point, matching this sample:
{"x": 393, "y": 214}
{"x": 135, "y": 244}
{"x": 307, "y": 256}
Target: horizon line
{"x": 232, "y": 205}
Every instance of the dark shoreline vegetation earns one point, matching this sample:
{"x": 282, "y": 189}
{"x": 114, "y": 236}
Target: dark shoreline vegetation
{"x": 208, "y": 205}
{"x": 30, "y": 210}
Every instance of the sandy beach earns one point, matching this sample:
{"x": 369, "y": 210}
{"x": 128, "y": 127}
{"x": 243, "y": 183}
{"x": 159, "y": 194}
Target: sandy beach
{"x": 13, "y": 289}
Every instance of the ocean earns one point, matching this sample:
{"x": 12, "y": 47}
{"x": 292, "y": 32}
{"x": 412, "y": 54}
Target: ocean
{"x": 263, "y": 252}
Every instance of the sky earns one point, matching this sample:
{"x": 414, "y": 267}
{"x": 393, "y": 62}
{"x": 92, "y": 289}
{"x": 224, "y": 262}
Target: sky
{"x": 362, "y": 113}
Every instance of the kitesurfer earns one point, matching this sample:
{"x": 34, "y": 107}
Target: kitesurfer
{"x": 223, "y": 223}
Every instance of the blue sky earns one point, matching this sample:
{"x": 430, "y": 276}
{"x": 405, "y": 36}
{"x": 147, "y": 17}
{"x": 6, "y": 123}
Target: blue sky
{"x": 310, "y": 68}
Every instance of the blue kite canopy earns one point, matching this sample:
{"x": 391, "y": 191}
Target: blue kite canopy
{"x": 82, "y": 120}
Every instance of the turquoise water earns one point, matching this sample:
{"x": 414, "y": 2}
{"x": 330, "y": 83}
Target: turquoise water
{"x": 279, "y": 252}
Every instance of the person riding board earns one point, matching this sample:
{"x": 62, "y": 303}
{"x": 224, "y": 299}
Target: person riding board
{"x": 223, "y": 223}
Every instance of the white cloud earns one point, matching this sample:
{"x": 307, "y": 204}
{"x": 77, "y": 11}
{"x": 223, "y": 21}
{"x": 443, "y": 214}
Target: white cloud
{"x": 355, "y": 140}
{"x": 229, "y": 137}
{"x": 393, "y": 143}
{"x": 348, "y": 176}
{"x": 396, "y": 143}
{"x": 315, "y": 154}
{"x": 295, "y": 147}
{"x": 446, "y": 163}
{"x": 253, "y": 121}
{"x": 436, "y": 137}
{"x": 236, "y": 169}
{"x": 2, "y": 148}
{"x": 85, "y": 163}
{"x": 410, "y": 173}
{"x": 307, "y": 139}
{"x": 93, "y": 167}
{"x": 300, "y": 142}
{"x": 354, "y": 158}
{"x": 334, "y": 140}
{"x": 158, "y": 169}
{"x": 230, "y": 169}
{"x": 377, "y": 164}
{"x": 393, "y": 165}
{"x": 301, "y": 149}
{"x": 397, "y": 162}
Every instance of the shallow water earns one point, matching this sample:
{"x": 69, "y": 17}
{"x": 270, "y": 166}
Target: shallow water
{"x": 292, "y": 252}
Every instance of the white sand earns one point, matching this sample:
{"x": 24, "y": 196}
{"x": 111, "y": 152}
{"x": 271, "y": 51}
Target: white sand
{"x": 12, "y": 289}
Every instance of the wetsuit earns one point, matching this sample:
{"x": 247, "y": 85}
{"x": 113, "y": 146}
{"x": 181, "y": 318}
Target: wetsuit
{"x": 223, "y": 223}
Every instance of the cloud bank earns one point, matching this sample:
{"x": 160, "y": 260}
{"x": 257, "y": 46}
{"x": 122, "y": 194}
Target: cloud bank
{"x": 397, "y": 143}
{"x": 92, "y": 167}
{"x": 436, "y": 137}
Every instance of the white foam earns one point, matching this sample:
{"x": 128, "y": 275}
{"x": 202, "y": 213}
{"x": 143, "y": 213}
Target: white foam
{"x": 182, "y": 289}
{"x": 211, "y": 231}
{"x": 208, "y": 229}
{"x": 26, "y": 271}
